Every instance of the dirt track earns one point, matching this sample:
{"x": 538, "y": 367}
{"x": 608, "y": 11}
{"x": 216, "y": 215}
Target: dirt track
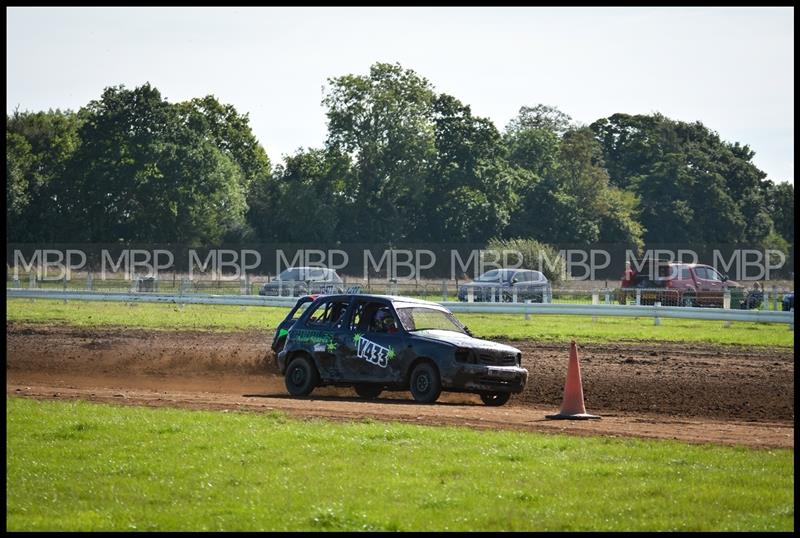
{"x": 694, "y": 393}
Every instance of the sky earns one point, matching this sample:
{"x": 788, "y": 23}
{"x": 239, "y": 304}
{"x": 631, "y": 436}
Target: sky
{"x": 730, "y": 68}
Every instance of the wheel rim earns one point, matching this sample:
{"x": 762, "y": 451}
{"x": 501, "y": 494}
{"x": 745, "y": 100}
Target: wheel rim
{"x": 298, "y": 376}
{"x": 423, "y": 383}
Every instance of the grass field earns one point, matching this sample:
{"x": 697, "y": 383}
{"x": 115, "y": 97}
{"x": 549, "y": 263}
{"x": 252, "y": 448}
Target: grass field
{"x": 82, "y": 466}
{"x": 544, "y": 328}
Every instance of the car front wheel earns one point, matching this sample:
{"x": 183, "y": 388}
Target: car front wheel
{"x": 495, "y": 399}
{"x": 301, "y": 377}
{"x": 426, "y": 385}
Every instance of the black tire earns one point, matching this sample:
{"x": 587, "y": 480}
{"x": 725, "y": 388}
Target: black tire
{"x": 301, "y": 376}
{"x": 368, "y": 392}
{"x": 495, "y": 399}
{"x": 688, "y": 300}
{"x": 425, "y": 384}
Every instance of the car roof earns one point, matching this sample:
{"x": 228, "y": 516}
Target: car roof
{"x": 394, "y": 299}
{"x": 308, "y": 268}
{"x": 667, "y": 264}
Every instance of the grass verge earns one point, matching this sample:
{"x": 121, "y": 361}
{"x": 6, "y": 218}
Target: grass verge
{"x": 515, "y": 327}
{"x": 82, "y": 466}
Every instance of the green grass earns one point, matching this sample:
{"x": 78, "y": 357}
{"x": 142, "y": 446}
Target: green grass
{"x": 539, "y": 327}
{"x": 145, "y": 315}
{"x": 83, "y": 466}
{"x": 610, "y": 329}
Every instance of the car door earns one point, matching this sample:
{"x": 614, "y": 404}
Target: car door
{"x": 519, "y": 282}
{"x": 322, "y": 334}
{"x": 293, "y": 315}
{"x": 372, "y": 351}
{"x": 709, "y": 286}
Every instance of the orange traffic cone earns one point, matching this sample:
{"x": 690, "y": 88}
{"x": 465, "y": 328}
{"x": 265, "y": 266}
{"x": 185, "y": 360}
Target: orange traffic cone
{"x": 572, "y": 406}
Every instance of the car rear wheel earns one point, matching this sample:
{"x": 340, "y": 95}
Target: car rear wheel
{"x": 368, "y": 392}
{"x": 688, "y": 300}
{"x": 495, "y": 399}
{"x": 426, "y": 386}
{"x": 301, "y": 377}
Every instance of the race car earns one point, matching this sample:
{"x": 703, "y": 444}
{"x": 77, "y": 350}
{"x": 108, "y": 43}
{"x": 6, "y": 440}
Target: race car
{"x": 375, "y": 343}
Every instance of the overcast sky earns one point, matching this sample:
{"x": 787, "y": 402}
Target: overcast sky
{"x": 731, "y": 68}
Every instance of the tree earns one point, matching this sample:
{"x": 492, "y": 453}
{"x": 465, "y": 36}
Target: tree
{"x": 471, "y": 191}
{"x": 780, "y": 204}
{"x": 540, "y": 117}
{"x": 230, "y": 132}
{"x": 313, "y": 192}
{"x": 382, "y": 121}
{"x": 572, "y": 200}
{"x": 19, "y": 170}
{"x": 142, "y": 174}
{"x": 39, "y": 148}
{"x": 693, "y": 186}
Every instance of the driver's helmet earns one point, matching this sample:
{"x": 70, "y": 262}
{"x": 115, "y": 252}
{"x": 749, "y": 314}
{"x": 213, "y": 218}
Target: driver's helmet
{"x": 384, "y": 319}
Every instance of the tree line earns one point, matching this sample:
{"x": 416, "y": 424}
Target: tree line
{"x": 401, "y": 164}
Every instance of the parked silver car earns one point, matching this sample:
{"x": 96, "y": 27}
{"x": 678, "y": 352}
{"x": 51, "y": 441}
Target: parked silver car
{"x": 297, "y": 281}
{"x": 502, "y": 283}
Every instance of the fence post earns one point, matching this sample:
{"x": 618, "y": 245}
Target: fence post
{"x": 16, "y": 281}
{"x": 471, "y": 295}
{"x": 638, "y": 297}
{"x": 726, "y": 298}
{"x": 514, "y": 296}
{"x": 656, "y": 306}
{"x": 32, "y": 280}
{"x": 608, "y": 296}
{"x": 444, "y": 290}
{"x": 765, "y": 301}
{"x": 774, "y": 298}
{"x": 527, "y": 312}
{"x": 89, "y": 281}
{"x": 595, "y": 297}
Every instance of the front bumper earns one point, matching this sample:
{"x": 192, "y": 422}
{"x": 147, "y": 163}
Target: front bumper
{"x": 481, "y": 378}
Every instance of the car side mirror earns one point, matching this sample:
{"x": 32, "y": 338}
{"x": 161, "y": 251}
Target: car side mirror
{"x": 724, "y": 278}
{"x": 514, "y": 280}
{"x": 466, "y": 330}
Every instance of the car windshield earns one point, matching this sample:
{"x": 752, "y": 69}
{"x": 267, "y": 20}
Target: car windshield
{"x": 305, "y": 273}
{"x": 494, "y": 275}
{"x": 290, "y": 274}
{"x": 420, "y": 318}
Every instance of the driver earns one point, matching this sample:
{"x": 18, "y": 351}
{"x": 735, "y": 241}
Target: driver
{"x": 384, "y": 322}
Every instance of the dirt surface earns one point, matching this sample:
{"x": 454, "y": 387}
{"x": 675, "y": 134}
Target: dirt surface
{"x": 689, "y": 392}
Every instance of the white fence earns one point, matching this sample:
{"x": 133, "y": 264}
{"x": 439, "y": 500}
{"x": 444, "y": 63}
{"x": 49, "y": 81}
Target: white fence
{"x": 655, "y": 311}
